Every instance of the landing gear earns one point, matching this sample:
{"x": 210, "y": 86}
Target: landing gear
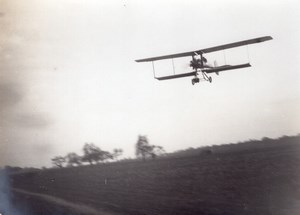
{"x": 206, "y": 77}
{"x": 195, "y": 80}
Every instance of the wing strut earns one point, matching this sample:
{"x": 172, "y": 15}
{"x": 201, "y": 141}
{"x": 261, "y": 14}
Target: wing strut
{"x": 248, "y": 53}
{"x": 153, "y": 69}
{"x": 173, "y": 66}
{"x": 224, "y": 54}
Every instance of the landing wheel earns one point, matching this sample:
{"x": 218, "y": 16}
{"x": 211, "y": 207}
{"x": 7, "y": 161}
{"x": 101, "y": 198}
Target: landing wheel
{"x": 195, "y": 80}
{"x": 210, "y": 79}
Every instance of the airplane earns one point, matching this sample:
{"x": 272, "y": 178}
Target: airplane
{"x": 199, "y": 63}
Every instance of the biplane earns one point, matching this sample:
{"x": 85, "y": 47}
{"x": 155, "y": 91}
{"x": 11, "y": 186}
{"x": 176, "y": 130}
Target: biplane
{"x": 199, "y": 63}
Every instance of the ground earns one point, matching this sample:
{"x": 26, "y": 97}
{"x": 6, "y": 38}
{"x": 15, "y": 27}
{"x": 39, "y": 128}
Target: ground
{"x": 237, "y": 179}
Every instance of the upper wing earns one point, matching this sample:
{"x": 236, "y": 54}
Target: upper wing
{"x": 236, "y": 44}
{"x": 208, "y": 50}
{"x": 185, "y": 54}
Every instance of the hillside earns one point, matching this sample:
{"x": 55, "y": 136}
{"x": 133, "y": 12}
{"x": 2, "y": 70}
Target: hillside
{"x": 262, "y": 178}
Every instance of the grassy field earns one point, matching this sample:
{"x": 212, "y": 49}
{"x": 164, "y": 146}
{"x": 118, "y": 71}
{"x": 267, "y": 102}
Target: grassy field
{"x": 262, "y": 179}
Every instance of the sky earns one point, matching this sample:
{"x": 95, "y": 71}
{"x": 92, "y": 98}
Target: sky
{"x": 68, "y": 75}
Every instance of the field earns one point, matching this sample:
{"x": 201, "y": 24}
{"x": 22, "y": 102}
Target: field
{"x": 261, "y": 179}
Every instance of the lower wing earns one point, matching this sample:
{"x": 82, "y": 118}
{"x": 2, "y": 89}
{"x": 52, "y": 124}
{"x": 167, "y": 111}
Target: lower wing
{"x": 225, "y": 67}
{"x": 207, "y": 70}
{"x": 176, "y": 76}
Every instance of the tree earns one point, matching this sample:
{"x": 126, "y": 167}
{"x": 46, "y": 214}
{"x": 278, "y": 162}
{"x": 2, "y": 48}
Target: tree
{"x": 144, "y": 149}
{"x": 93, "y": 153}
{"x": 105, "y": 155}
{"x": 117, "y": 153}
{"x": 73, "y": 159}
{"x": 157, "y": 151}
{"x": 58, "y": 161}
{"x": 90, "y": 153}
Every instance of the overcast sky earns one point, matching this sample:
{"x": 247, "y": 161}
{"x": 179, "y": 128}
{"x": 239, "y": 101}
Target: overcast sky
{"x": 68, "y": 75}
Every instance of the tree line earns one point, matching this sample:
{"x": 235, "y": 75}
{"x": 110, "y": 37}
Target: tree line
{"x": 92, "y": 154}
